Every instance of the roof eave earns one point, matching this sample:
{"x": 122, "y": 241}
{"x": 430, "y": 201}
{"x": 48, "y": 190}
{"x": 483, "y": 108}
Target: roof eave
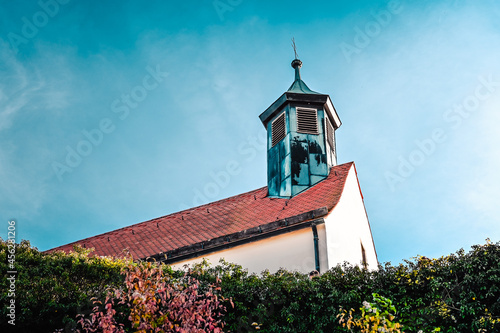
{"x": 245, "y": 236}
{"x": 332, "y": 113}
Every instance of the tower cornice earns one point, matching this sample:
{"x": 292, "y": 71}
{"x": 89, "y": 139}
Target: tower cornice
{"x": 312, "y": 99}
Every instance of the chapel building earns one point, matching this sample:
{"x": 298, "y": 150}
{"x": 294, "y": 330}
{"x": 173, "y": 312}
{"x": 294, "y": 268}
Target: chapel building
{"x": 310, "y": 216}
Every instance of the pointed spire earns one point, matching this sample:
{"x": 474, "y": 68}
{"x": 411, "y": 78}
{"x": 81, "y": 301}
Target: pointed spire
{"x": 298, "y": 86}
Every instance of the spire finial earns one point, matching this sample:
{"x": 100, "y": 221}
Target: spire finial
{"x": 294, "y": 48}
{"x": 296, "y": 63}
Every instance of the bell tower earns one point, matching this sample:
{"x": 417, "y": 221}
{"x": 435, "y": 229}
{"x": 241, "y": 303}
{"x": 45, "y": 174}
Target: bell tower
{"x": 300, "y": 128}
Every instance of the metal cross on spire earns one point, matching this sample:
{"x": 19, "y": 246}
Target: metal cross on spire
{"x": 296, "y": 63}
{"x": 294, "y": 48}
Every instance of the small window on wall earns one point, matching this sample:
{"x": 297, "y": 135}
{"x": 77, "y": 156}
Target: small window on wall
{"x": 278, "y": 129}
{"x": 307, "y": 121}
{"x": 329, "y": 133}
{"x": 363, "y": 256}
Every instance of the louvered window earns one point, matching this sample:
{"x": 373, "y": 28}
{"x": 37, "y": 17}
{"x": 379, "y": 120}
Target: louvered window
{"x": 329, "y": 132}
{"x": 278, "y": 129}
{"x": 307, "y": 121}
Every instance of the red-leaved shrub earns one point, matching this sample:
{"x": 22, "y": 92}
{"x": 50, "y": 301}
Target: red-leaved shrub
{"x": 153, "y": 301}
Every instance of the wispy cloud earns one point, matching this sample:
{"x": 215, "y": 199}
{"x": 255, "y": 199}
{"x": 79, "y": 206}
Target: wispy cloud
{"x": 29, "y": 95}
{"x": 18, "y": 86}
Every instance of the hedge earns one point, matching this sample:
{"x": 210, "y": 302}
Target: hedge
{"x": 455, "y": 293}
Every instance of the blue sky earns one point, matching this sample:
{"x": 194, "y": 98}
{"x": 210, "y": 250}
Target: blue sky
{"x": 159, "y": 97}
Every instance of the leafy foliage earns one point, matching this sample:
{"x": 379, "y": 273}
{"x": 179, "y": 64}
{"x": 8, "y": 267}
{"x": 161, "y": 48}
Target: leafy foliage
{"x": 51, "y": 289}
{"x": 455, "y": 293}
{"x": 153, "y": 301}
{"x": 375, "y": 317}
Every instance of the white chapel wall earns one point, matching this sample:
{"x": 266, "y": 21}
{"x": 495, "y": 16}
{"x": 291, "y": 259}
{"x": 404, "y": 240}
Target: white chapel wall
{"x": 347, "y": 227}
{"x": 293, "y": 251}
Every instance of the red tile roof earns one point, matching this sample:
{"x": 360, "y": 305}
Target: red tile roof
{"x": 213, "y": 220}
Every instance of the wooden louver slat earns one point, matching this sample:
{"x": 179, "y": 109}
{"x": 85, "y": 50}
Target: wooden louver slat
{"x": 278, "y": 129}
{"x": 307, "y": 121}
{"x": 329, "y": 133}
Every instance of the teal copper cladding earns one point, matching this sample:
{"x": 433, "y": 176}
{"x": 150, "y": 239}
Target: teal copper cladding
{"x": 300, "y": 128}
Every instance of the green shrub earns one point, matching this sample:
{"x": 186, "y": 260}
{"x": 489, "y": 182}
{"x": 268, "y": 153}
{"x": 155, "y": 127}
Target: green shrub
{"x": 454, "y": 294}
{"x": 51, "y": 289}
{"x": 376, "y": 316}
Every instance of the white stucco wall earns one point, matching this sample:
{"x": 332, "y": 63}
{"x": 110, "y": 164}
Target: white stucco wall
{"x": 347, "y": 227}
{"x": 293, "y": 251}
